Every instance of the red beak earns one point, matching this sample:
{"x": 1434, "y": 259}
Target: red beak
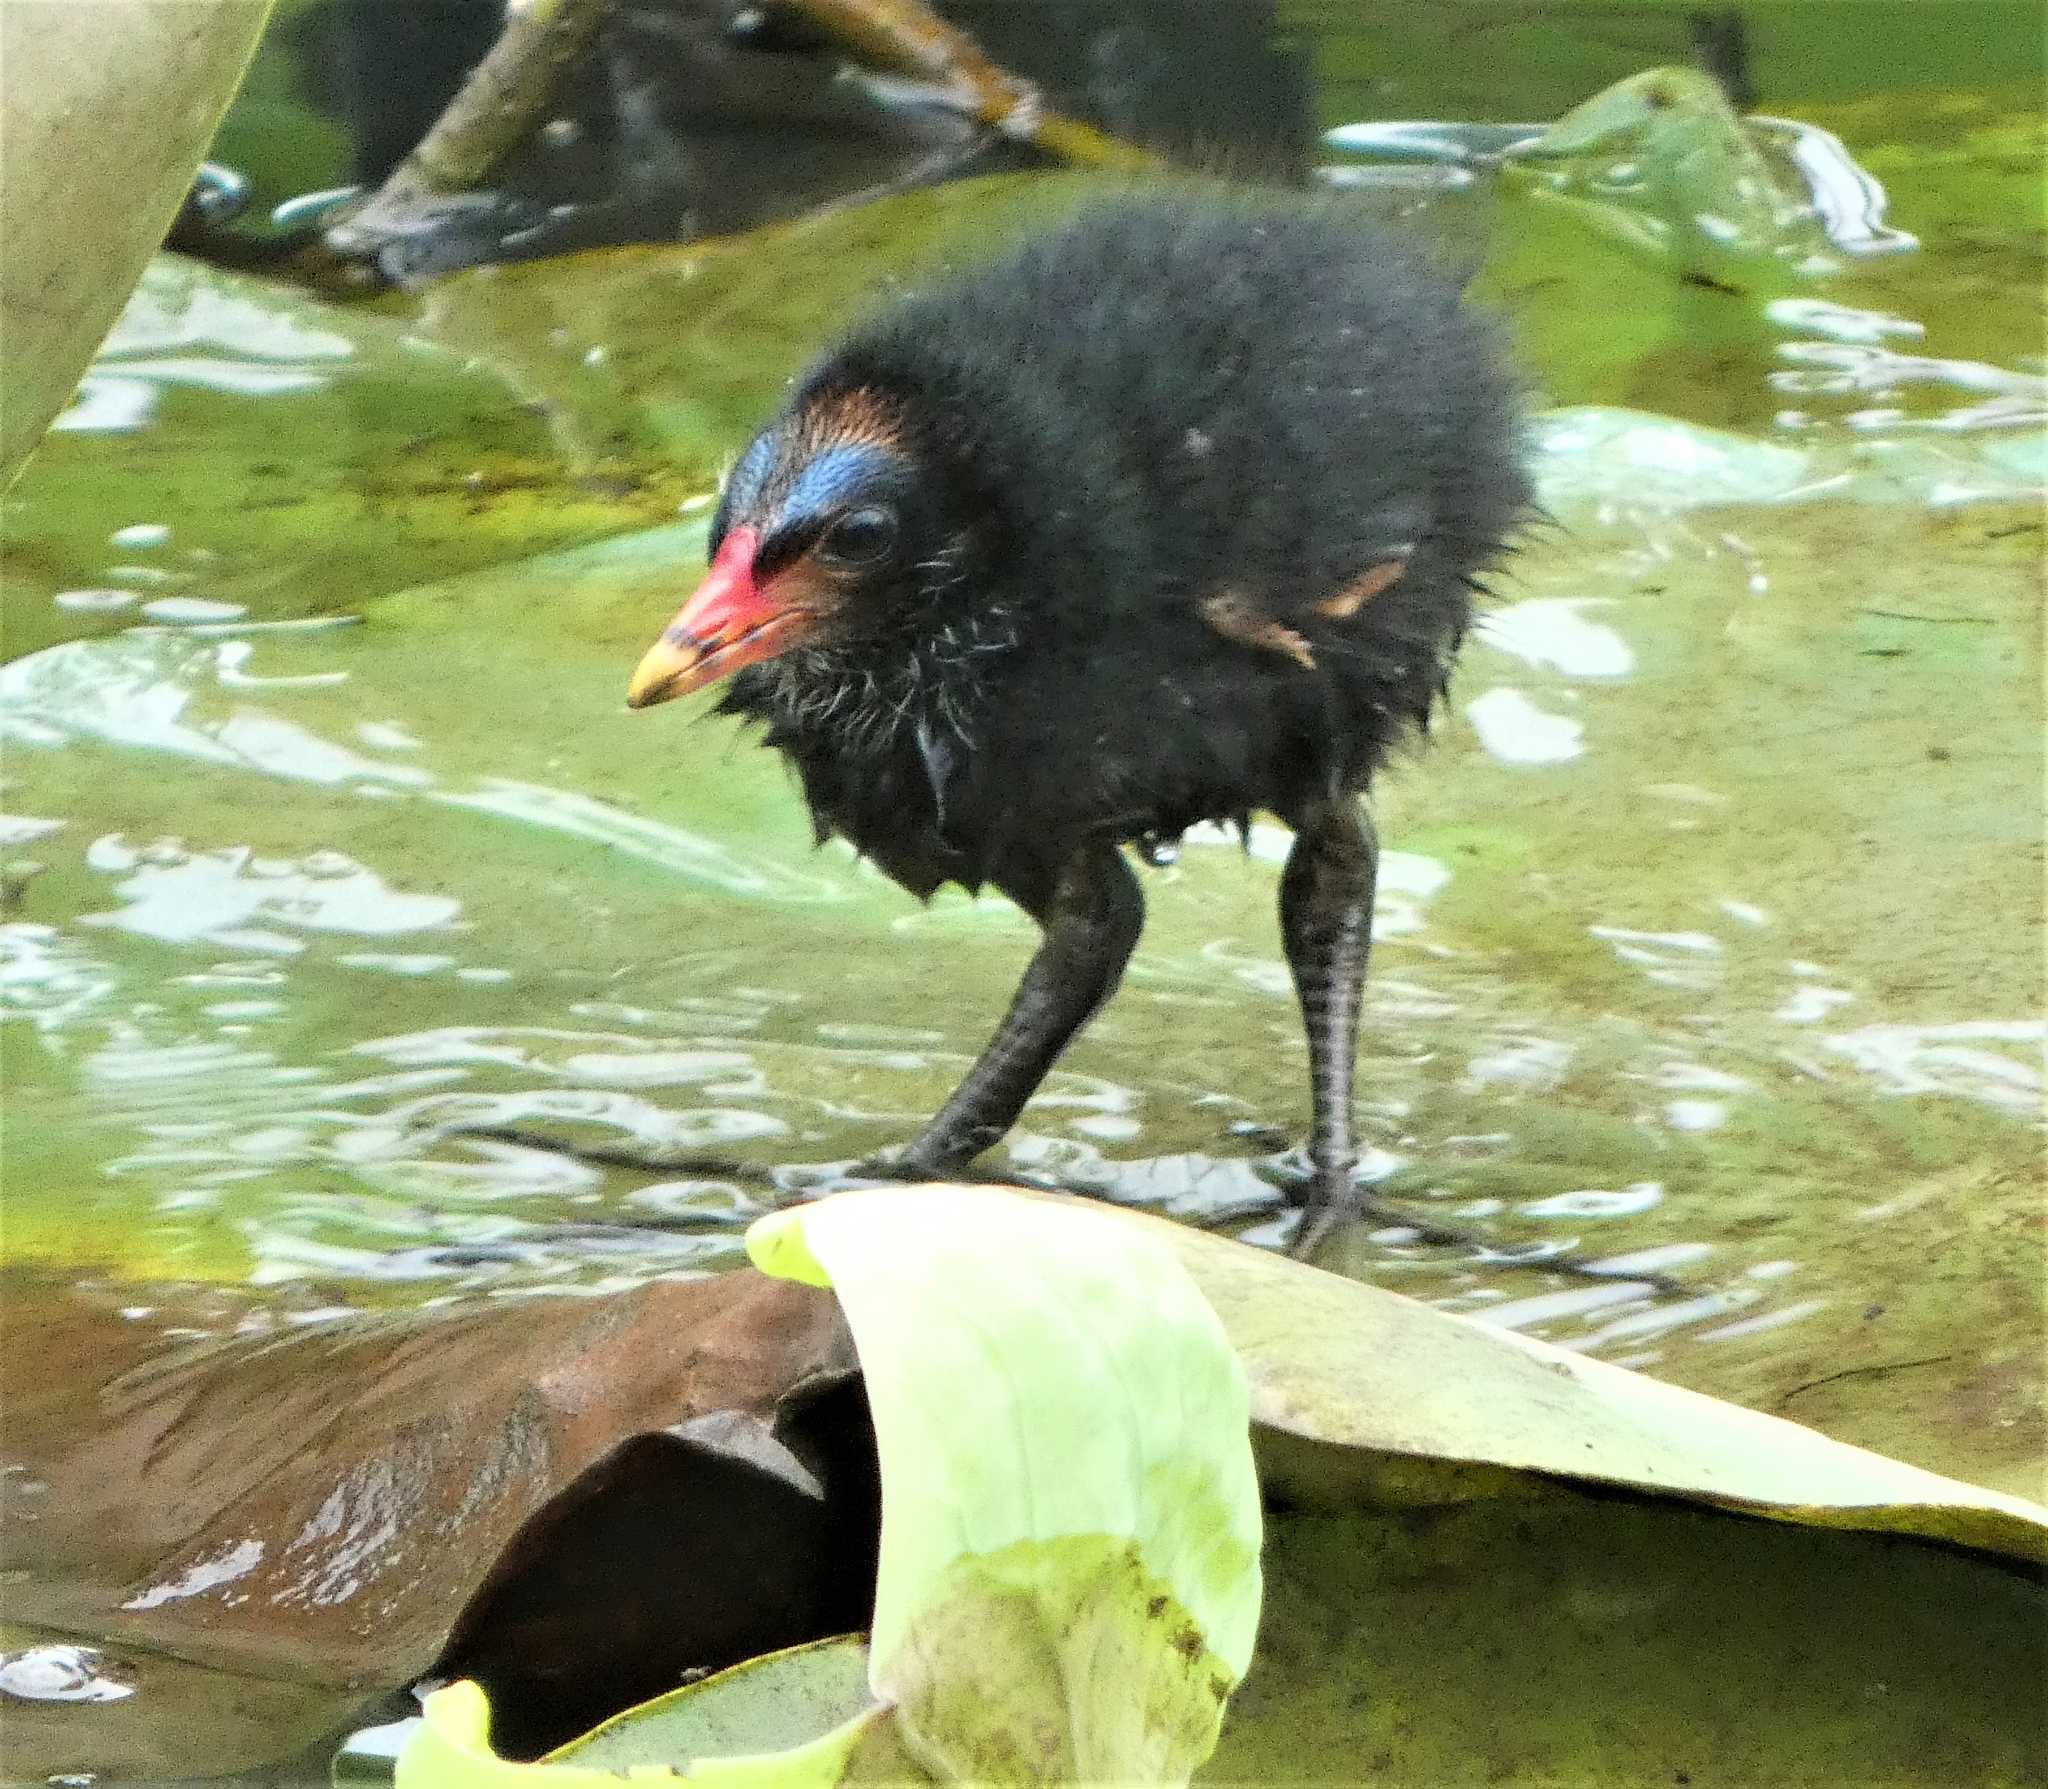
{"x": 728, "y": 623}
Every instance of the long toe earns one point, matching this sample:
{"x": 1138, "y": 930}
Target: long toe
{"x": 910, "y": 1165}
{"x": 1330, "y": 1208}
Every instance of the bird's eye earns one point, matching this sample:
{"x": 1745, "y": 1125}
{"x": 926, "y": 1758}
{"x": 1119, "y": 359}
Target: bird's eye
{"x": 861, "y": 536}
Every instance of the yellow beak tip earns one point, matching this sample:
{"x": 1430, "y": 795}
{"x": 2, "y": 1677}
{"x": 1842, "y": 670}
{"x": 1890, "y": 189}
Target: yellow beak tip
{"x": 657, "y": 678}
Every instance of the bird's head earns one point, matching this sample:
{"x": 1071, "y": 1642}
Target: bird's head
{"x": 832, "y": 533}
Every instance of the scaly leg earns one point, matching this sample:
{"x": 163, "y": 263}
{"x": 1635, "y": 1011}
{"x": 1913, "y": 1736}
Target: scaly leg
{"x": 1092, "y": 913}
{"x": 1326, "y": 926}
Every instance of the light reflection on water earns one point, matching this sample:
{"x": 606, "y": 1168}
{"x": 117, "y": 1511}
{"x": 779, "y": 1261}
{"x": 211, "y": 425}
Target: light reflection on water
{"x": 353, "y": 1168}
{"x": 344, "y": 1168}
{"x": 361, "y": 915}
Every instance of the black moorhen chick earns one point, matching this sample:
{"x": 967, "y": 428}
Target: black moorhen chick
{"x": 1172, "y": 514}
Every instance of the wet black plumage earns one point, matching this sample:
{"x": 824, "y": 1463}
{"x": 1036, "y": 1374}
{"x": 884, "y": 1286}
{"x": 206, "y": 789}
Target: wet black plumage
{"x": 1170, "y": 515}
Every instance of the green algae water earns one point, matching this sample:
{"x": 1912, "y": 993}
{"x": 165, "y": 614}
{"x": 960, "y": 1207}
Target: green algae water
{"x": 1708, "y": 943}
{"x": 1709, "y": 936}
{"x": 1707, "y": 949}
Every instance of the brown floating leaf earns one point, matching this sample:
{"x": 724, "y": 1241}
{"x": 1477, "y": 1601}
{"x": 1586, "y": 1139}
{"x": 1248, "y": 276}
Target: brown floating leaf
{"x": 316, "y": 1511}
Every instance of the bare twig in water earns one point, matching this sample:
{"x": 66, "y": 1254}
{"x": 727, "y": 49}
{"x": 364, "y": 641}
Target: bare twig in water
{"x": 508, "y": 93}
{"x": 1889, "y": 1366}
{"x": 907, "y": 37}
{"x": 503, "y": 99}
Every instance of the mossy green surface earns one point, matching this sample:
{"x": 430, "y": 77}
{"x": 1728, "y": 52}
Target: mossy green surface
{"x": 1595, "y": 1642}
{"x": 288, "y": 902}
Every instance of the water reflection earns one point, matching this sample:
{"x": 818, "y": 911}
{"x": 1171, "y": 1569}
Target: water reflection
{"x": 1658, "y": 152}
{"x": 251, "y": 350}
{"x": 150, "y": 693}
{"x": 310, "y": 913}
{"x": 1516, "y": 731}
{"x": 1954, "y": 1060}
{"x": 62, "y": 1674}
{"x": 179, "y": 895}
{"x": 1554, "y": 632}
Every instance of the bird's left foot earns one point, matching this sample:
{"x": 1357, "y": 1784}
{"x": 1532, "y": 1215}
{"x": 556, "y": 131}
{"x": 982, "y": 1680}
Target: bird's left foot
{"x": 910, "y": 1165}
{"x": 1331, "y": 1203}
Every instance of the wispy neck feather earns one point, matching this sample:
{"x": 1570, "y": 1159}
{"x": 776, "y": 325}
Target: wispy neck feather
{"x": 866, "y": 697}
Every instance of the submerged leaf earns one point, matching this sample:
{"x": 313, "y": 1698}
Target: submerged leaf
{"x": 1664, "y": 160}
{"x": 1596, "y": 1641}
{"x": 1372, "y": 1379}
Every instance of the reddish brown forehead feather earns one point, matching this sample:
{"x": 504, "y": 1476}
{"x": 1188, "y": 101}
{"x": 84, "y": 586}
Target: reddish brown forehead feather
{"x": 858, "y": 418}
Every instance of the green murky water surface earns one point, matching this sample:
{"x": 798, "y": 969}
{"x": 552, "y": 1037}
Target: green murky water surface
{"x": 1708, "y": 936}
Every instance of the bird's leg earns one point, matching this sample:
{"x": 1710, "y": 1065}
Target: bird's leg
{"x": 1326, "y": 925}
{"x": 1092, "y": 914}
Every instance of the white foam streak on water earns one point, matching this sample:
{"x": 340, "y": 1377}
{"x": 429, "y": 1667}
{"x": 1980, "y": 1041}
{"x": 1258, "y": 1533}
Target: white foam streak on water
{"x": 1262, "y": 974}
{"x": 266, "y": 742}
{"x": 234, "y": 654}
{"x": 1854, "y": 369}
{"x": 107, "y": 406}
{"x": 1591, "y": 454}
{"x": 386, "y": 736}
{"x": 1948, "y": 1059}
{"x": 1662, "y": 1318}
{"x": 1406, "y": 878}
{"x": 179, "y": 896}
{"x": 1534, "y": 1063}
{"x": 223, "y": 375}
{"x": 1671, "y": 959}
{"x": 1840, "y": 322}
{"x": 398, "y": 962}
{"x": 1661, "y": 1258}
{"x": 1849, "y": 198}
{"x": 176, "y": 307}
{"x": 257, "y": 350}
{"x": 1697, "y": 943}
{"x": 138, "y": 692}
{"x": 1513, "y": 729}
{"x": 1595, "y": 1202}
{"x": 1764, "y": 1320}
{"x": 47, "y": 978}
{"x": 192, "y": 608}
{"x": 652, "y": 841}
{"x": 1696, "y": 1114}
{"x": 1553, "y": 632}
{"x": 116, "y": 691}
{"x": 1696, "y": 1077}
{"x": 1547, "y": 1307}
{"x": 1808, "y": 1004}
{"x": 734, "y": 1073}
{"x": 184, "y": 1092}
